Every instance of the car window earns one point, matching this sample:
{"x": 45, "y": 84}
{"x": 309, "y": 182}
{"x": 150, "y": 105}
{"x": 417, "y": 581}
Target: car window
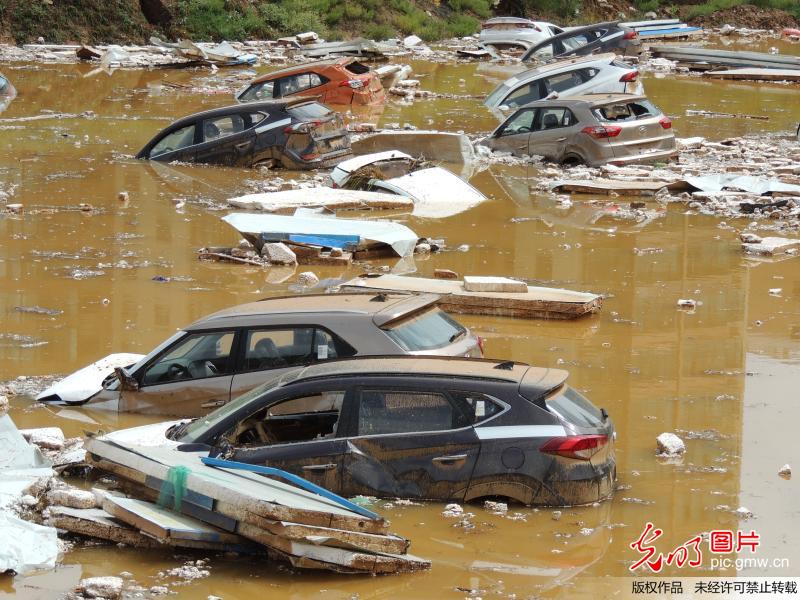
{"x": 312, "y": 110}
{"x": 555, "y": 30}
{"x": 426, "y": 330}
{"x": 300, "y": 419}
{"x": 258, "y": 91}
{"x": 195, "y": 356}
{"x": 544, "y": 52}
{"x": 475, "y": 406}
{"x": 576, "y": 41}
{"x": 298, "y": 83}
{"x": 357, "y": 68}
{"x": 221, "y": 127}
{"x": 381, "y": 412}
{"x": 626, "y": 111}
{"x": 523, "y": 95}
{"x": 553, "y": 118}
{"x": 521, "y": 122}
{"x": 587, "y": 74}
{"x": 571, "y": 406}
{"x": 257, "y": 118}
{"x": 279, "y": 348}
{"x": 181, "y": 138}
{"x": 562, "y": 81}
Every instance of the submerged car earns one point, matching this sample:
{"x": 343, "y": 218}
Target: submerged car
{"x": 580, "y": 41}
{"x": 7, "y": 92}
{"x": 296, "y": 133}
{"x": 589, "y": 74}
{"x": 232, "y": 351}
{"x": 593, "y": 129}
{"x": 429, "y": 428}
{"x": 516, "y": 32}
{"x": 336, "y": 81}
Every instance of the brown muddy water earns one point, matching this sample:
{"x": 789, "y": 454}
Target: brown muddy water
{"x": 724, "y": 376}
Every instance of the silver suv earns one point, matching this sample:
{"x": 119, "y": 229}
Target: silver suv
{"x": 594, "y": 129}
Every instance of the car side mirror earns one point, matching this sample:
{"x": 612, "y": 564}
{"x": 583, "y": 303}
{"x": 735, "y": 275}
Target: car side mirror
{"x": 127, "y": 383}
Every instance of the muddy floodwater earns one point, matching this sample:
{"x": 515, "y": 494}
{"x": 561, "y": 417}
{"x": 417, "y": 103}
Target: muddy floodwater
{"x": 123, "y": 276}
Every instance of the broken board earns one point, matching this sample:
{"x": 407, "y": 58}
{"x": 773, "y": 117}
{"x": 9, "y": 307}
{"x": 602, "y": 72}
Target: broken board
{"x": 287, "y": 201}
{"x": 621, "y": 187}
{"x": 536, "y": 303}
{"x": 756, "y": 74}
{"x": 97, "y": 523}
{"x": 773, "y": 246}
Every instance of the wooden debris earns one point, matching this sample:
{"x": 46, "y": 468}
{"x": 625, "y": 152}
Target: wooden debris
{"x": 473, "y": 283}
{"x": 621, "y": 187}
{"x": 536, "y": 303}
{"x": 772, "y": 246}
{"x": 221, "y": 506}
{"x": 756, "y": 74}
{"x": 97, "y": 523}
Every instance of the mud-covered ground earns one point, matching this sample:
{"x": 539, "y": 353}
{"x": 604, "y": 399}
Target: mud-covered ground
{"x": 84, "y": 274}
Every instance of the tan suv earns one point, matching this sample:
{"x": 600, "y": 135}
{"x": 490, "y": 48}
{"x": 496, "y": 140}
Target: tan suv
{"x": 594, "y": 129}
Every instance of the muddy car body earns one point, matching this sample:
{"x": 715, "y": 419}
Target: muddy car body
{"x": 296, "y": 133}
{"x": 581, "y": 41}
{"x": 7, "y": 92}
{"x": 594, "y": 129}
{"x": 514, "y": 32}
{"x": 335, "y": 81}
{"x": 234, "y": 350}
{"x": 430, "y": 428}
{"x": 572, "y": 77}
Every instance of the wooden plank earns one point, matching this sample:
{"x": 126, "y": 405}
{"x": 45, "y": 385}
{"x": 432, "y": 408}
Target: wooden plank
{"x": 97, "y": 523}
{"x": 299, "y": 532}
{"x": 537, "y": 302}
{"x": 266, "y": 497}
{"x": 756, "y": 74}
{"x": 622, "y": 187}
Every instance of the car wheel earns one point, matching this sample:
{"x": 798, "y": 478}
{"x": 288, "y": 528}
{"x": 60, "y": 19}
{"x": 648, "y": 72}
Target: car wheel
{"x": 572, "y": 160}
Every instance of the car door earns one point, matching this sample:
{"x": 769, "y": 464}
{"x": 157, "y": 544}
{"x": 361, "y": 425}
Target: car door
{"x": 298, "y": 433}
{"x": 226, "y": 140}
{"x": 512, "y": 136}
{"x": 176, "y": 145}
{"x": 552, "y": 129}
{"x": 269, "y": 351}
{"x": 189, "y": 378}
{"x": 410, "y": 442}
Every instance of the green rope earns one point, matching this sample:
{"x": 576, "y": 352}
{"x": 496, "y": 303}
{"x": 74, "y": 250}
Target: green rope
{"x": 174, "y": 487}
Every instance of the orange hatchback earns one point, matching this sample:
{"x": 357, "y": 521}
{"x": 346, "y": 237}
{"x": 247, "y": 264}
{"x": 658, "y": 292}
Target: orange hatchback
{"x": 336, "y": 81}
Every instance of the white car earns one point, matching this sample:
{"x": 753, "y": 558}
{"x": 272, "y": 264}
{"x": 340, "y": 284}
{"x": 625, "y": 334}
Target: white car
{"x": 513, "y": 31}
{"x": 602, "y": 73}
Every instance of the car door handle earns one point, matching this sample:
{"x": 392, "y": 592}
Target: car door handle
{"x": 561, "y": 139}
{"x": 242, "y": 145}
{"x": 315, "y": 468}
{"x": 453, "y": 458}
{"x": 213, "y": 403}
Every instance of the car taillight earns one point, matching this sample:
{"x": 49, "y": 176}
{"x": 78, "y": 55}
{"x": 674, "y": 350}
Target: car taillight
{"x": 665, "y": 122}
{"x": 304, "y": 127}
{"x": 352, "y": 83}
{"x": 629, "y": 35}
{"x": 537, "y": 28}
{"x": 629, "y": 76}
{"x": 579, "y": 447}
{"x": 482, "y": 345}
{"x": 310, "y": 156}
{"x": 599, "y": 132}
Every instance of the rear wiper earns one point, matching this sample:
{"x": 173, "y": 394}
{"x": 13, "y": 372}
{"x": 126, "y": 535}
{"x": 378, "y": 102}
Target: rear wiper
{"x": 456, "y": 335}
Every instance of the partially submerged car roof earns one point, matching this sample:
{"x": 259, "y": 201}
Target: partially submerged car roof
{"x": 384, "y": 308}
{"x": 507, "y": 21}
{"x": 265, "y": 105}
{"x": 536, "y": 381}
{"x": 328, "y": 62}
{"x": 586, "y": 99}
{"x": 561, "y": 64}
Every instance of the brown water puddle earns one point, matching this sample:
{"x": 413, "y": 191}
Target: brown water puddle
{"x": 723, "y": 376}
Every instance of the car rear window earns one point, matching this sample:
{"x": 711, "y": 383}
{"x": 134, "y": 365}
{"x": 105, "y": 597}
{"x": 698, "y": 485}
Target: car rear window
{"x": 626, "y": 111}
{"x": 312, "y": 110}
{"x": 357, "y": 68}
{"x": 426, "y": 330}
{"x": 574, "y": 408}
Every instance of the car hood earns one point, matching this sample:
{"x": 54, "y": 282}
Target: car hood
{"x": 151, "y": 436}
{"x": 86, "y": 382}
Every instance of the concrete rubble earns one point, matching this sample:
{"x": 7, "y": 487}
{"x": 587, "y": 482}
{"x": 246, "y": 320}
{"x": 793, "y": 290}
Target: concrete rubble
{"x": 670, "y": 445}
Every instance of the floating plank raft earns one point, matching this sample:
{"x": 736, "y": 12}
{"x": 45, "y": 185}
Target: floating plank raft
{"x": 306, "y": 529}
{"x": 536, "y": 303}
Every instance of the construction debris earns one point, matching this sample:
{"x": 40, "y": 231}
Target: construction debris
{"x": 670, "y": 444}
{"x": 287, "y": 201}
{"x": 703, "y": 58}
{"x": 311, "y": 529}
{"x": 772, "y": 246}
{"x": 535, "y": 303}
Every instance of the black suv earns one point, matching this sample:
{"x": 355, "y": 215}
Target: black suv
{"x": 414, "y": 427}
{"x": 295, "y": 133}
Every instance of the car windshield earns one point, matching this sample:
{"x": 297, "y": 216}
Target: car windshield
{"x": 195, "y": 430}
{"x": 427, "y": 330}
{"x": 312, "y": 110}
